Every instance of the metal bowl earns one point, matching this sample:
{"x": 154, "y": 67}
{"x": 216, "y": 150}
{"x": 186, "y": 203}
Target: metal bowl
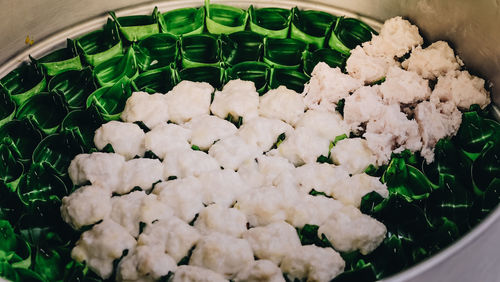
{"x": 470, "y": 26}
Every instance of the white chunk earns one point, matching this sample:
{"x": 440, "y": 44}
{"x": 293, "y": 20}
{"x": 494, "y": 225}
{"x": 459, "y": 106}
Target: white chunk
{"x": 222, "y": 253}
{"x": 150, "y": 109}
{"x": 260, "y": 271}
{"x": 304, "y": 146}
{"x": 350, "y": 230}
{"x": 238, "y": 98}
{"x": 221, "y": 187}
{"x": 397, "y": 37}
{"x": 353, "y": 154}
{"x": 167, "y": 137}
{"x": 232, "y": 151}
{"x": 101, "y": 245}
{"x": 313, "y": 263}
{"x": 250, "y": 174}
{"x": 405, "y": 87}
{"x": 273, "y": 241}
{"x": 127, "y": 139}
{"x": 461, "y": 89}
{"x": 205, "y": 130}
{"x": 101, "y": 169}
{"x": 356, "y": 105}
{"x": 271, "y": 167}
{"x": 350, "y": 191}
{"x": 320, "y": 177}
{"x": 142, "y": 173}
{"x": 190, "y": 273}
{"x": 152, "y": 209}
{"x": 188, "y": 162}
{"x": 314, "y": 210}
{"x": 327, "y": 86}
{"x": 433, "y": 61}
{"x": 436, "y": 122}
{"x": 188, "y": 100}
{"x": 85, "y": 206}
{"x": 366, "y": 68}
{"x": 217, "y": 218}
{"x": 263, "y": 132}
{"x": 173, "y": 236}
{"x": 145, "y": 263}
{"x": 282, "y": 103}
{"x": 184, "y": 196}
{"x": 326, "y": 124}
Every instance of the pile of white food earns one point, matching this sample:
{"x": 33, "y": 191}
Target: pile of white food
{"x": 243, "y": 198}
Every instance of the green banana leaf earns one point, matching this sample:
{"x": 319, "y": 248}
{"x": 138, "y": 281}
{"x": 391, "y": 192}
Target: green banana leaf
{"x": 486, "y": 168}
{"x": 57, "y": 151}
{"x": 311, "y": 26}
{"x": 270, "y": 22}
{"x": 199, "y": 50}
{"x": 47, "y": 110}
{"x": 23, "y": 82}
{"x": 241, "y": 46}
{"x": 475, "y": 132}
{"x": 110, "y": 100}
{"x": 110, "y": 72}
{"x": 7, "y": 107}
{"x": 284, "y": 53}
{"x": 292, "y": 79}
{"x": 59, "y": 61}
{"x": 349, "y": 33}
{"x": 74, "y": 86}
{"x": 13, "y": 249}
{"x": 183, "y": 21}
{"x": 101, "y": 45}
{"x": 224, "y": 19}
{"x": 22, "y": 137}
{"x": 258, "y": 72}
{"x": 83, "y": 123}
{"x": 11, "y": 169}
{"x": 159, "y": 80}
{"x": 137, "y": 27}
{"x": 330, "y": 56}
{"x": 210, "y": 74}
{"x": 156, "y": 51}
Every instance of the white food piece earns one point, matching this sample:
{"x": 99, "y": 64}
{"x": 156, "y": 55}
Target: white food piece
{"x": 205, "y": 130}
{"x": 217, "y": 218}
{"x": 282, "y": 103}
{"x": 188, "y": 162}
{"x": 263, "y": 132}
{"x": 101, "y": 169}
{"x": 436, "y": 122}
{"x": 152, "y": 209}
{"x": 260, "y": 271}
{"x": 232, "y": 151}
{"x": 397, "y": 37}
{"x": 350, "y": 230}
{"x": 320, "y": 177}
{"x": 142, "y": 173}
{"x": 356, "y": 105}
{"x": 189, "y": 99}
{"x": 271, "y": 167}
{"x": 353, "y": 189}
{"x": 407, "y": 87}
{"x": 173, "y": 236}
{"x": 265, "y": 205}
{"x": 325, "y": 124}
{"x": 167, "y": 137}
{"x": 366, "y": 68}
{"x": 221, "y": 187}
{"x": 312, "y": 263}
{"x": 238, "y": 98}
{"x": 101, "y": 245}
{"x": 314, "y": 210}
{"x": 145, "y": 263}
{"x": 127, "y": 139}
{"x": 250, "y": 174}
{"x": 353, "y": 154}
{"x": 151, "y": 109}
{"x": 392, "y": 132}
{"x": 304, "y": 146}
{"x": 191, "y": 273}
{"x": 184, "y": 196}
{"x": 85, "y": 206}
{"x": 432, "y": 62}
{"x": 222, "y": 253}
{"x": 327, "y": 86}
{"x": 461, "y": 89}
{"x": 273, "y": 241}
